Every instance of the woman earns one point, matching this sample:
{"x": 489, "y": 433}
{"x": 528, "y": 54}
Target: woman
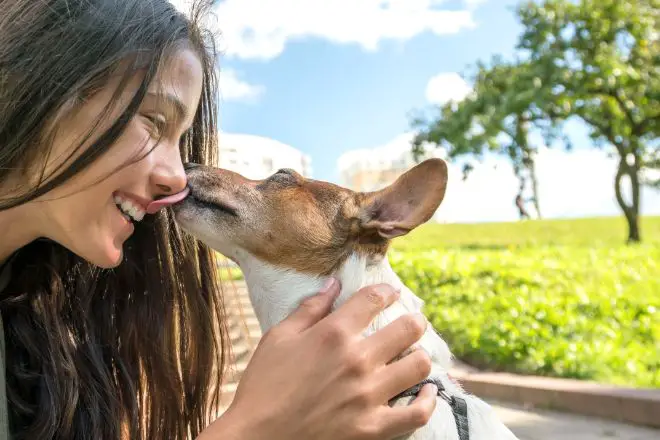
{"x": 109, "y": 311}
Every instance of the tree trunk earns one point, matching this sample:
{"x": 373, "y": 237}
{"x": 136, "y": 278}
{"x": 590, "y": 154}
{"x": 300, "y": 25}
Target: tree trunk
{"x": 535, "y": 186}
{"x": 528, "y": 159}
{"x": 631, "y": 212}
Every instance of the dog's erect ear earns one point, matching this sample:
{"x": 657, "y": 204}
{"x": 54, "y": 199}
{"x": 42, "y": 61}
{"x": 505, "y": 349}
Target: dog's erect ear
{"x": 408, "y": 202}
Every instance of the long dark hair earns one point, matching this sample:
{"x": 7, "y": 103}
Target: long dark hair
{"x": 134, "y": 352}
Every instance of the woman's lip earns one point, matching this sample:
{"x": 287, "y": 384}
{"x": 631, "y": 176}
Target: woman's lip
{"x": 157, "y": 205}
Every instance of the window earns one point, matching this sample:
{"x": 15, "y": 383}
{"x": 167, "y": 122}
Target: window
{"x": 268, "y": 163}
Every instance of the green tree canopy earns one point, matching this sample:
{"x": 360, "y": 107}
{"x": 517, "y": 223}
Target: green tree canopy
{"x": 596, "y": 60}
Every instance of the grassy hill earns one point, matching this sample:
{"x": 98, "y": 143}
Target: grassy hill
{"x": 591, "y": 232}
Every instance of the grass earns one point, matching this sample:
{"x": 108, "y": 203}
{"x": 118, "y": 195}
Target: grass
{"x": 230, "y": 273}
{"x": 589, "y": 232}
{"x": 562, "y": 298}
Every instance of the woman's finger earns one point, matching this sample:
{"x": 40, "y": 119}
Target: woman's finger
{"x": 355, "y": 315}
{"x": 402, "y": 420}
{"x": 312, "y": 309}
{"x": 403, "y": 374}
{"x": 395, "y": 338}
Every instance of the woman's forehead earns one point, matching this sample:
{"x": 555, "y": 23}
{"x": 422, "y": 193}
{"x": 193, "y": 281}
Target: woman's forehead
{"x": 178, "y": 84}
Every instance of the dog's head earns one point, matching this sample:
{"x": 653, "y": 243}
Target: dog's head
{"x": 307, "y": 225}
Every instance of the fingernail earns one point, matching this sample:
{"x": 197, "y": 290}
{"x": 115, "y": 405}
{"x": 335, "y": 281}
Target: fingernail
{"x": 419, "y": 317}
{"x": 386, "y": 289}
{"x": 434, "y": 387}
{"x": 329, "y": 284}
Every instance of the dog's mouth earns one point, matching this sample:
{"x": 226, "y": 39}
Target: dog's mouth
{"x": 211, "y": 203}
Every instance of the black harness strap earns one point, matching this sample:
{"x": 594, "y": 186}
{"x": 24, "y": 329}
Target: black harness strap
{"x": 457, "y": 404}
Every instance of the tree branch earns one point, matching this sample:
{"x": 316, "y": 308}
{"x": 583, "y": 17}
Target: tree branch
{"x": 608, "y": 133}
{"x": 613, "y": 93}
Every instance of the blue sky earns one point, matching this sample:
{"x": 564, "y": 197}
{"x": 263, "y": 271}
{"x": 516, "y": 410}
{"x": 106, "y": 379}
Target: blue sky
{"x": 330, "y": 76}
{"x": 326, "y": 98}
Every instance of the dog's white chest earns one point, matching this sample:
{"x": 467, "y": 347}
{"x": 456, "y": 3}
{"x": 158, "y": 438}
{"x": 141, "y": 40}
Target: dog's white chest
{"x": 276, "y": 292}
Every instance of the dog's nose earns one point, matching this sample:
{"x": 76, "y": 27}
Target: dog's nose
{"x": 190, "y": 166}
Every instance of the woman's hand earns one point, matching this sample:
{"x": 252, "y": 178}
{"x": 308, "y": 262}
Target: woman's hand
{"x": 314, "y": 376}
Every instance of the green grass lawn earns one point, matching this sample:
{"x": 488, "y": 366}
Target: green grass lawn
{"x": 562, "y": 298}
{"x": 230, "y": 273}
{"x": 591, "y": 232}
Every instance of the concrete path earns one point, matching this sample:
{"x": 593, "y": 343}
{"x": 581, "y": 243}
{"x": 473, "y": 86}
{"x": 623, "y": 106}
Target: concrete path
{"x": 527, "y": 424}
{"x": 550, "y": 425}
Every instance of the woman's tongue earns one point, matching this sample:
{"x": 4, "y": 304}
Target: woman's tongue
{"x": 157, "y": 205}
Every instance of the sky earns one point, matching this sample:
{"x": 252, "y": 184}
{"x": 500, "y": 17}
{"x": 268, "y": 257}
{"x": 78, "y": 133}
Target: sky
{"x": 330, "y": 76}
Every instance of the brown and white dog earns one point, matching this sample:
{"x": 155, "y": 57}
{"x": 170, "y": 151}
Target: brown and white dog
{"x": 289, "y": 234}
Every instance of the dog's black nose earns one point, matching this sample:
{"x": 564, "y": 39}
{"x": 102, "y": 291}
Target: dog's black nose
{"x": 190, "y": 166}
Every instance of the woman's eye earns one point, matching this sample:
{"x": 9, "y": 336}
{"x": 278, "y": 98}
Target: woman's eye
{"x": 157, "y": 124}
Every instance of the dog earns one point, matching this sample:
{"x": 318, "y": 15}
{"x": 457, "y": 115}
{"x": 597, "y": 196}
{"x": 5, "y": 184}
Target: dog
{"x": 289, "y": 234}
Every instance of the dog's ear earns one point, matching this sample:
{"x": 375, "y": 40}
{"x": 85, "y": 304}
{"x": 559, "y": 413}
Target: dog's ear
{"x": 408, "y": 202}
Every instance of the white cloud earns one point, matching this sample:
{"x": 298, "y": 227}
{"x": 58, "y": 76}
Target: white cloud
{"x": 474, "y": 3}
{"x": 232, "y": 88}
{"x": 571, "y": 184}
{"x": 260, "y": 29}
{"x": 447, "y": 87}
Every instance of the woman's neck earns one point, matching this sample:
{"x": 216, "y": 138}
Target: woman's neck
{"x": 16, "y": 229}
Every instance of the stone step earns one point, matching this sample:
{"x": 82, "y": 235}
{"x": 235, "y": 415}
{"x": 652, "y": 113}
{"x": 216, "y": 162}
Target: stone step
{"x": 244, "y": 334}
{"x": 236, "y": 335}
{"x": 250, "y": 322}
{"x": 240, "y": 305}
{"x": 234, "y": 374}
{"x": 227, "y": 394}
{"x": 241, "y": 314}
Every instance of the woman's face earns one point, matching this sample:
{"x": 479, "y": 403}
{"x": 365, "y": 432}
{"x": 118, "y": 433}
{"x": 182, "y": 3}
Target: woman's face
{"x": 83, "y": 214}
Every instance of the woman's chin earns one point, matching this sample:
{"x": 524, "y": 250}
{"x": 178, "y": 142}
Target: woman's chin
{"x": 101, "y": 246}
{"x": 109, "y": 259}
{"x": 111, "y": 254}
{"x": 116, "y": 261}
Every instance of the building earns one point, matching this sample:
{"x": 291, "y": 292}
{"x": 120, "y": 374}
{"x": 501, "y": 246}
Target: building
{"x": 257, "y": 157}
{"x": 375, "y": 168}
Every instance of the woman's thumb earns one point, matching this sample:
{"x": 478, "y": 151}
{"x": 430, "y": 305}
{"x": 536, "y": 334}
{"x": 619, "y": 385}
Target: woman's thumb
{"x": 311, "y": 310}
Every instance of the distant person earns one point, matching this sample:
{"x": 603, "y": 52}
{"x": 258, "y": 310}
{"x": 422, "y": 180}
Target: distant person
{"x": 520, "y": 204}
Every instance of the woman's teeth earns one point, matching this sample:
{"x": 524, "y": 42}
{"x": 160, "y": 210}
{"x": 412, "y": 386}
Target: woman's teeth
{"x": 129, "y": 209}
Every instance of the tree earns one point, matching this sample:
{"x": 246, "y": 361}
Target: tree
{"x": 599, "y": 60}
{"x": 496, "y": 117}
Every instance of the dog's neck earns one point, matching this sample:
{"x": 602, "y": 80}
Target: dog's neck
{"x": 276, "y": 292}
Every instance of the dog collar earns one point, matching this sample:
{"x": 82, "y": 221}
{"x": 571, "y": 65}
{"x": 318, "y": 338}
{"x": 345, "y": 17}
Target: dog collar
{"x": 457, "y": 404}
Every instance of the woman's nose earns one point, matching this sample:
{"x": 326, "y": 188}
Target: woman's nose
{"x": 170, "y": 176}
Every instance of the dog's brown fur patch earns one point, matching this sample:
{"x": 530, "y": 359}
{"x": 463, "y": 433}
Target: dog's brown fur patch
{"x": 312, "y": 226}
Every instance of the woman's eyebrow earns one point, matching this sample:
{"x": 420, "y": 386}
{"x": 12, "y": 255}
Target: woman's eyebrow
{"x": 180, "y": 109}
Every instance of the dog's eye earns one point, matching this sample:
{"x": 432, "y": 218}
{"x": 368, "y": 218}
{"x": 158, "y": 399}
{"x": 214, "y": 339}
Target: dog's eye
{"x": 285, "y": 176}
{"x": 286, "y": 171}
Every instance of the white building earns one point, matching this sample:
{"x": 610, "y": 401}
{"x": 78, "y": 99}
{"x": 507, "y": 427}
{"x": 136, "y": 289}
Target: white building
{"x": 257, "y": 157}
{"x": 374, "y": 168}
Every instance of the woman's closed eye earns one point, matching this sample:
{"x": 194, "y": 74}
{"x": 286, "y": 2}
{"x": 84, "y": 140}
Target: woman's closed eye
{"x": 157, "y": 124}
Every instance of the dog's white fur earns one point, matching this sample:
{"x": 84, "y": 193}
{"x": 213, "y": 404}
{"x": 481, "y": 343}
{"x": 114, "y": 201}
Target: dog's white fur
{"x": 276, "y": 292}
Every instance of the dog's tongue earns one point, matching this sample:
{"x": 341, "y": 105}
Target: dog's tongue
{"x": 156, "y": 205}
